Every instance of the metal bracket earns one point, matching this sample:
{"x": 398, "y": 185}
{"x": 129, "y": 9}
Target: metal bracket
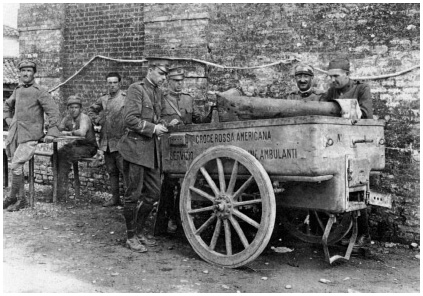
{"x": 357, "y": 141}
{"x": 380, "y": 199}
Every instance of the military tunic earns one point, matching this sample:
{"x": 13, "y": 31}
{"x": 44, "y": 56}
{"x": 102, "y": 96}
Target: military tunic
{"x": 312, "y": 94}
{"x": 184, "y": 103}
{"x": 353, "y": 90}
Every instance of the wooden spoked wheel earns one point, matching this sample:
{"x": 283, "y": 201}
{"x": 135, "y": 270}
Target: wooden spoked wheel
{"x": 227, "y": 206}
{"x": 309, "y": 225}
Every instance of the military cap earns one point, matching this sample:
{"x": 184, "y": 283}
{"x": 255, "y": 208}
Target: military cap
{"x": 339, "y": 63}
{"x": 27, "y": 63}
{"x": 176, "y": 73}
{"x": 304, "y": 69}
{"x": 161, "y": 63}
{"x": 74, "y": 100}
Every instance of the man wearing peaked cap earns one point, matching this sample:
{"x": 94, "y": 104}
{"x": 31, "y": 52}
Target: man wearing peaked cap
{"x": 140, "y": 149}
{"x": 342, "y": 87}
{"x": 304, "y": 75}
{"x": 178, "y": 108}
{"x": 24, "y": 114}
{"x": 75, "y": 123}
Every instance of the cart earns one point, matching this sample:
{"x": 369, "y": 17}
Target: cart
{"x": 312, "y": 172}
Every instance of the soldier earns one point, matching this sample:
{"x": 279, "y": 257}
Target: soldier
{"x": 24, "y": 114}
{"x": 304, "y": 75}
{"x": 79, "y": 124}
{"x": 177, "y": 108}
{"x": 107, "y": 112}
{"x": 139, "y": 147}
{"x": 344, "y": 87}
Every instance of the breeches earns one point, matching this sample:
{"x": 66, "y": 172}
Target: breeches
{"x": 23, "y": 153}
{"x": 143, "y": 184}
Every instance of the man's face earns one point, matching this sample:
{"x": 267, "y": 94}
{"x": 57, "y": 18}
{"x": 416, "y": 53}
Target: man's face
{"x": 176, "y": 85}
{"x": 304, "y": 81}
{"x": 339, "y": 78}
{"x": 156, "y": 76}
{"x": 113, "y": 84}
{"x": 74, "y": 110}
{"x": 27, "y": 75}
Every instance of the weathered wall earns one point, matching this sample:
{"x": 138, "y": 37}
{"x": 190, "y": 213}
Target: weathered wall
{"x": 378, "y": 38}
{"x": 110, "y": 30}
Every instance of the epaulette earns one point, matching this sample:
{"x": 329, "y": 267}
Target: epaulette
{"x": 187, "y": 94}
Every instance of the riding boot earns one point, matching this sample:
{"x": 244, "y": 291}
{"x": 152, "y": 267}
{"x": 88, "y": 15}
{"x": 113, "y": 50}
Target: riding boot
{"x": 21, "y": 200}
{"x": 129, "y": 212}
{"x": 143, "y": 213}
{"x": 14, "y": 191}
{"x": 114, "y": 184}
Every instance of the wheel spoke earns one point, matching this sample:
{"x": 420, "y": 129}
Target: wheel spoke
{"x": 247, "y": 202}
{"x": 228, "y": 238}
{"x": 202, "y": 193}
{"x": 206, "y": 224}
{"x": 242, "y": 188}
{"x": 216, "y": 234}
{"x": 234, "y": 176}
{"x": 246, "y": 218}
{"x": 238, "y": 230}
{"x": 210, "y": 181}
{"x": 221, "y": 175}
{"x": 322, "y": 227}
{"x": 205, "y": 209}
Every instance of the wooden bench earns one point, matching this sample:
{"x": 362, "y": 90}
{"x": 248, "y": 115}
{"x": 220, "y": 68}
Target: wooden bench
{"x": 77, "y": 183}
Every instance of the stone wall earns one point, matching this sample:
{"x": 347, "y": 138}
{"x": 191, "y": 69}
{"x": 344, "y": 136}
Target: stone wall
{"x": 379, "y": 39}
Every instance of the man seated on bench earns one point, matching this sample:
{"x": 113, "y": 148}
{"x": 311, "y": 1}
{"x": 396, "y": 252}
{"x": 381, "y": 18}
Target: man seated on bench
{"x": 79, "y": 124}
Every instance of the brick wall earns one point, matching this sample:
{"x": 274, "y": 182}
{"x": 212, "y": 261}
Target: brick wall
{"x": 111, "y": 30}
{"x": 378, "y": 38}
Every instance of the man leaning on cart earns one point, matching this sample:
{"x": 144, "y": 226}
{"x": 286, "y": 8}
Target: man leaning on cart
{"x": 343, "y": 87}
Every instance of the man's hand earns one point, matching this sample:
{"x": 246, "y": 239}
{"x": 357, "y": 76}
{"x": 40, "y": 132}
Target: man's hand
{"x": 48, "y": 139}
{"x": 160, "y": 130}
{"x": 174, "y": 122}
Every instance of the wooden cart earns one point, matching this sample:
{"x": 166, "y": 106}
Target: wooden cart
{"x": 313, "y": 171}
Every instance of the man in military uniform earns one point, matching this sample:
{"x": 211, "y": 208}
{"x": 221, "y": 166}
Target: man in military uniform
{"x": 24, "y": 114}
{"x": 345, "y": 88}
{"x": 177, "y": 108}
{"x": 139, "y": 147}
{"x": 304, "y": 75}
{"x": 79, "y": 124}
{"x": 107, "y": 112}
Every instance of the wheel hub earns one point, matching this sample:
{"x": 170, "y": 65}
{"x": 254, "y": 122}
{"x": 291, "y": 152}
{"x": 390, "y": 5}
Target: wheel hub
{"x": 223, "y": 206}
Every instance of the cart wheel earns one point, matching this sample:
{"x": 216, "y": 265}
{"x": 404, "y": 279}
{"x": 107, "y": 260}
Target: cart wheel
{"x": 309, "y": 225}
{"x": 227, "y": 206}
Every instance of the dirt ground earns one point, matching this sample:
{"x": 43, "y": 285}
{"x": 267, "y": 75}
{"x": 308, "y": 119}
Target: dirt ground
{"x": 78, "y": 246}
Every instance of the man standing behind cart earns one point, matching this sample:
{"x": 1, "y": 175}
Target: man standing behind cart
{"x": 178, "y": 108}
{"x": 304, "y": 75}
{"x": 107, "y": 112}
{"x": 139, "y": 147}
{"x": 24, "y": 113}
{"x": 78, "y": 124}
{"x": 343, "y": 87}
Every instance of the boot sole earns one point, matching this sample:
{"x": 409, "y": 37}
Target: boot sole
{"x": 138, "y": 251}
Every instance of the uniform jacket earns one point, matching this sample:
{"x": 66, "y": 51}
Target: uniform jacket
{"x": 26, "y": 107}
{"x": 68, "y": 124}
{"x": 353, "y": 90}
{"x": 141, "y": 112}
{"x": 185, "y": 104}
{"x": 107, "y": 112}
{"x": 312, "y": 95}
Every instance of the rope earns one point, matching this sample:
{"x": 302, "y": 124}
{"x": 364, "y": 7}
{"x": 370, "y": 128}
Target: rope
{"x": 288, "y": 61}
